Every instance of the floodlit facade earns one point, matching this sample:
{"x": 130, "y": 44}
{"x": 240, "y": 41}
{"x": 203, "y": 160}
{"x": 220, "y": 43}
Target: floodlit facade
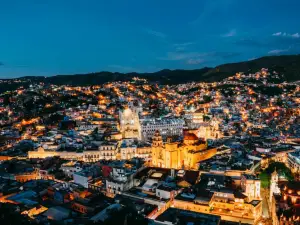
{"x": 185, "y": 154}
{"x": 166, "y": 126}
{"x": 130, "y": 124}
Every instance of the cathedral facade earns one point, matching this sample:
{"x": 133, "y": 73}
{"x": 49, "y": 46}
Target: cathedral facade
{"x": 185, "y": 154}
{"x": 130, "y": 126}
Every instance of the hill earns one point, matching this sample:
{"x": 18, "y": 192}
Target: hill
{"x": 289, "y": 65}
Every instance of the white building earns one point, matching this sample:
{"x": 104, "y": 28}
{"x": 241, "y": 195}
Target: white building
{"x": 108, "y": 150}
{"x": 251, "y": 186}
{"x": 293, "y": 161}
{"x": 69, "y": 168}
{"x": 87, "y": 126}
{"x": 274, "y": 189}
{"x": 83, "y": 178}
{"x": 166, "y": 126}
{"x": 165, "y": 192}
{"x": 92, "y": 155}
{"x": 128, "y": 149}
{"x": 121, "y": 179}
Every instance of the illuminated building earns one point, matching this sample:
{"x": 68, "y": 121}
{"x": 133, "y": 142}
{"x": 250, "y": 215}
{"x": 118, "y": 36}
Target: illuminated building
{"x": 27, "y": 176}
{"x": 293, "y": 161}
{"x": 285, "y": 205}
{"x": 106, "y": 151}
{"x": 274, "y": 189}
{"x": 131, "y": 148}
{"x": 250, "y": 186}
{"x": 130, "y": 124}
{"x": 185, "y": 154}
{"x": 205, "y": 129}
{"x": 120, "y": 179}
{"x": 128, "y": 149}
{"x": 213, "y": 196}
{"x": 166, "y": 126}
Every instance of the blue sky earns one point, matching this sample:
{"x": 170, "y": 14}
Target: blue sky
{"x": 75, "y": 36}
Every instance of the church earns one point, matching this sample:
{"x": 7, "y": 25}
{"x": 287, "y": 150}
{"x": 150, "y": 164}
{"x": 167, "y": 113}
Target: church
{"x": 130, "y": 123}
{"x": 185, "y": 154}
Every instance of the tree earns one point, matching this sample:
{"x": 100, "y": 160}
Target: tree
{"x": 207, "y": 99}
{"x": 280, "y": 167}
{"x": 95, "y": 131}
{"x": 6, "y": 100}
{"x": 265, "y": 179}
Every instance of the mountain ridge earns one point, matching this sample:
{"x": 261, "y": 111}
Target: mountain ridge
{"x": 289, "y": 65}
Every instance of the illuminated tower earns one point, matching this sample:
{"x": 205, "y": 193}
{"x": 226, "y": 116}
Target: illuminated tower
{"x": 158, "y": 153}
{"x": 274, "y": 189}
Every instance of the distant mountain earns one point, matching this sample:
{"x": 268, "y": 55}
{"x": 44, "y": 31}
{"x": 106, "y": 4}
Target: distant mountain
{"x": 289, "y": 65}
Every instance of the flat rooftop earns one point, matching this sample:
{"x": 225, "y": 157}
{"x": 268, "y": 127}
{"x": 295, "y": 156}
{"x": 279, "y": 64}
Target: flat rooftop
{"x": 188, "y": 217}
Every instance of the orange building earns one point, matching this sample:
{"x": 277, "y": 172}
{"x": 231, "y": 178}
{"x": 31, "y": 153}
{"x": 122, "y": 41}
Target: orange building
{"x": 186, "y": 154}
{"x": 24, "y": 177}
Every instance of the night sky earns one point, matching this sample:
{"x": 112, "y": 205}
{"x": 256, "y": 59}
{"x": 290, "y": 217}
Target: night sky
{"x": 49, "y": 37}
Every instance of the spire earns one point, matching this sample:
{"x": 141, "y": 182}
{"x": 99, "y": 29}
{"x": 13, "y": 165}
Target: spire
{"x": 275, "y": 172}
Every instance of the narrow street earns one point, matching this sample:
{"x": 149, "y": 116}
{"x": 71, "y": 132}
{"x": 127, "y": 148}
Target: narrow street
{"x": 265, "y": 204}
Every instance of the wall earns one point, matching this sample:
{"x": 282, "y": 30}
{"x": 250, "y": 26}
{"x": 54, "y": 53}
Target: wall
{"x": 27, "y": 176}
{"x": 163, "y": 194}
{"x": 82, "y": 180}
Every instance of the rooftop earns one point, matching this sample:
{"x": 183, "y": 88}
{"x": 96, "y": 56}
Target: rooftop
{"x": 188, "y": 217}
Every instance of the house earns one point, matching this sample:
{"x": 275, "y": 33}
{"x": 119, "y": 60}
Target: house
{"x": 120, "y": 179}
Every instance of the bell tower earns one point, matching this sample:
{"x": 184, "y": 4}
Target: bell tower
{"x": 157, "y": 139}
{"x": 274, "y": 189}
{"x": 158, "y": 152}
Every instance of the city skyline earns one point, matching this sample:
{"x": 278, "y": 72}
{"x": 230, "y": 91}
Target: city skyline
{"x": 68, "y": 38}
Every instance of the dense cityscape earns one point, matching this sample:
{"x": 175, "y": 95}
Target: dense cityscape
{"x": 138, "y": 152}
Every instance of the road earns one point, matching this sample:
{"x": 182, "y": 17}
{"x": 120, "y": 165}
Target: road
{"x": 265, "y": 204}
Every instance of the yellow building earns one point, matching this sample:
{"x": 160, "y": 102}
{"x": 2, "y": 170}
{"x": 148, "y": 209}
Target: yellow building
{"x": 186, "y": 154}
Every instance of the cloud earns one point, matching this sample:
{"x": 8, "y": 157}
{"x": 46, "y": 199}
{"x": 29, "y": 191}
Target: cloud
{"x": 277, "y": 40}
{"x": 231, "y": 33}
{"x": 284, "y": 34}
{"x": 195, "y": 61}
{"x": 277, "y": 51}
{"x": 156, "y": 33}
{"x": 296, "y": 35}
{"x": 194, "y": 58}
{"x": 182, "y": 46}
{"x": 277, "y": 34}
